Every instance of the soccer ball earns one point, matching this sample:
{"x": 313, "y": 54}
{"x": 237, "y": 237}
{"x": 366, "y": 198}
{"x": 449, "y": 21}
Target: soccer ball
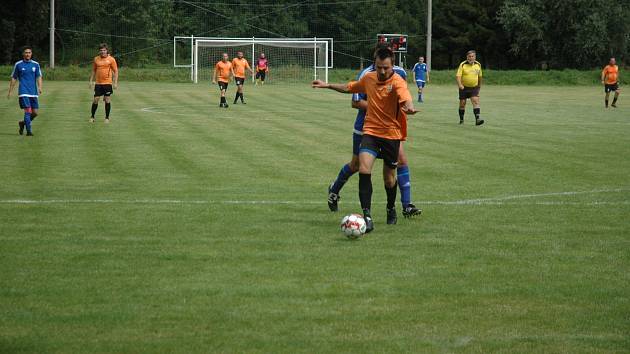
{"x": 353, "y": 226}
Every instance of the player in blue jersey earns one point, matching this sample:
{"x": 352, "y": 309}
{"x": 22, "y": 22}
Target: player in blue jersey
{"x": 359, "y": 101}
{"x": 28, "y": 73}
{"x": 420, "y": 76}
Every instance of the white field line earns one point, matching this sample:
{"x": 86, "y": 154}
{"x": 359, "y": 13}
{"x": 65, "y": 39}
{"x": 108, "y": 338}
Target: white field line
{"x": 504, "y": 200}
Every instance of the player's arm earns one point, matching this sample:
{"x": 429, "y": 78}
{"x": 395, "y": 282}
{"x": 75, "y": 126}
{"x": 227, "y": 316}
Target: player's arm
{"x": 360, "y": 104}
{"x": 604, "y": 74}
{"x": 251, "y": 71}
{"x": 343, "y": 88}
{"x": 480, "y": 79}
{"x": 407, "y": 107}
{"x": 214, "y": 75}
{"x": 115, "y": 74}
{"x": 11, "y": 86}
{"x": 40, "y": 84}
{"x": 459, "y": 82}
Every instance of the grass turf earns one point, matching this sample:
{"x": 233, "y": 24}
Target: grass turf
{"x": 184, "y": 227}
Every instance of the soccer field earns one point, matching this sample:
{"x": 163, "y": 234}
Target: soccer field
{"x": 184, "y": 227}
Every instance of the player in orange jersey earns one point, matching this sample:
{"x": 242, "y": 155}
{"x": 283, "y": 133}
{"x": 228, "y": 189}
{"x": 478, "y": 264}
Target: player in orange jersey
{"x": 222, "y": 70}
{"x": 104, "y": 79}
{"x": 610, "y": 80}
{"x": 389, "y": 101}
{"x": 239, "y": 65}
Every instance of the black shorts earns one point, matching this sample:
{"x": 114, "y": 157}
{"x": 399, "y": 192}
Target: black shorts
{"x": 611, "y": 88}
{"x": 469, "y": 92}
{"x": 103, "y": 90}
{"x": 239, "y": 81}
{"x": 260, "y": 74}
{"x": 387, "y": 149}
{"x": 223, "y": 85}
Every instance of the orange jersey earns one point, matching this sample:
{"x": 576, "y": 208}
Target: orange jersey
{"x": 239, "y": 66}
{"x": 610, "y": 73}
{"x": 104, "y": 69}
{"x": 223, "y": 70}
{"x": 384, "y": 118}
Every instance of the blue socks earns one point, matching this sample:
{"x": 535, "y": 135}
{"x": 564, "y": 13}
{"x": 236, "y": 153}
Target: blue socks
{"x": 342, "y": 178}
{"x": 27, "y": 121}
{"x": 404, "y": 183}
{"x": 420, "y": 98}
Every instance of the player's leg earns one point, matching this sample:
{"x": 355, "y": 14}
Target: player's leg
{"x": 367, "y": 156}
{"x": 420, "y": 85}
{"x": 223, "y": 88}
{"x": 614, "y": 102}
{"x": 607, "y": 91}
{"x": 404, "y": 184}
{"x": 345, "y": 173}
{"x": 98, "y": 92}
{"x": 263, "y": 76}
{"x": 462, "y": 108}
{"x": 476, "y": 109}
{"x": 389, "y": 152}
{"x": 25, "y": 104}
{"x": 107, "y": 98}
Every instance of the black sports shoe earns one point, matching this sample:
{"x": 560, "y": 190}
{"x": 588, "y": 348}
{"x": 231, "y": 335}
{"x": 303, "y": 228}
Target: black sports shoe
{"x": 333, "y": 198}
{"x": 614, "y": 105}
{"x": 392, "y": 218}
{"x": 243, "y": 102}
{"x": 221, "y": 104}
{"x": 21, "y": 124}
{"x": 225, "y": 105}
{"x": 369, "y": 224}
{"x": 235, "y": 102}
{"x": 411, "y": 210}
{"x": 461, "y": 121}
{"x": 29, "y": 134}
{"x": 479, "y": 122}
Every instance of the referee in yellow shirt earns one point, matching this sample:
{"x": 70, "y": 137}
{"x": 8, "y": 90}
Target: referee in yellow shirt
{"x": 469, "y": 81}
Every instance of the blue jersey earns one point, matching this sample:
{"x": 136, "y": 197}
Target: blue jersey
{"x": 27, "y": 72}
{"x": 420, "y": 70}
{"x": 358, "y": 123}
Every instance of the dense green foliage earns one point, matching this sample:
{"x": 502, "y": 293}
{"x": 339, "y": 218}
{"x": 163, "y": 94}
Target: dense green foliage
{"x": 183, "y": 228}
{"x": 507, "y": 33}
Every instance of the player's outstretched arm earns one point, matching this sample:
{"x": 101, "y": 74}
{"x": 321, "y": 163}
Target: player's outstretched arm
{"x": 408, "y": 107}
{"x": 343, "y": 88}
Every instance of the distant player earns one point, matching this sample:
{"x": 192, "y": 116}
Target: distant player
{"x": 262, "y": 68}
{"x": 222, "y": 70}
{"x": 420, "y": 76}
{"x": 385, "y": 126}
{"x": 469, "y": 81}
{"x": 105, "y": 71}
{"x": 610, "y": 80}
{"x": 29, "y": 74}
{"x": 359, "y": 101}
{"x": 239, "y": 64}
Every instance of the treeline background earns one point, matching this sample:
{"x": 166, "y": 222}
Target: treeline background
{"x": 507, "y": 34}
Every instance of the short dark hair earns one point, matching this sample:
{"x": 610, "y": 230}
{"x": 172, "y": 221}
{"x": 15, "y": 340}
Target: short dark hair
{"x": 103, "y": 45}
{"x": 26, "y": 47}
{"x": 383, "y": 52}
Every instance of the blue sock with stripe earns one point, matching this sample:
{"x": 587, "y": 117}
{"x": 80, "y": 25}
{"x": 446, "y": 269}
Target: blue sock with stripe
{"x": 404, "y": 183}
{"x": 27, "y": 121}
{"x": 344, "y": 174}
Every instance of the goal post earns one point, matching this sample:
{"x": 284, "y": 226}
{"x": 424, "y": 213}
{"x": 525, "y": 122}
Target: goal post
{"x": 290, "y": 59}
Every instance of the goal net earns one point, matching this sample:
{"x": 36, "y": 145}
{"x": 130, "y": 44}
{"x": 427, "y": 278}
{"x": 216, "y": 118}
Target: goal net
{"x": 289, "y": 60}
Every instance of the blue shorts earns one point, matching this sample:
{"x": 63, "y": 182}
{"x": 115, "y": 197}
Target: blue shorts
{"x": 356, "y": 143}
{"x": 420, "y": 83}
{"x": 28, "y": 102}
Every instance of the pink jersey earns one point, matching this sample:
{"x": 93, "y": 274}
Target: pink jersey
{"x": 261, "y": 63}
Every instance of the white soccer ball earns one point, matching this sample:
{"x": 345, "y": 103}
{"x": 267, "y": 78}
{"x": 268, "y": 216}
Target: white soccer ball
{"x": 353, "y": 226}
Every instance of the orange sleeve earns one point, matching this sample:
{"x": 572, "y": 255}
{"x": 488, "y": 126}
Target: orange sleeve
{"x": 114, "y": 65}
{"x": 356, "y": 86}
{"x": 402, "y": 91}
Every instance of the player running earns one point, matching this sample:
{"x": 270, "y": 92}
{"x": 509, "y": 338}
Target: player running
{"x": 262, "y": 68}
{"x": 388, "y": 101}
{"x": 239, "y": 64}
{"x": 420, "y": 76}
{"x": 359, "y": 101}
{"x": 105, "y": 70}
{"x": 29, "y": 74}
{"x": 610, "y": 80}
{"x": 222, "y": 70}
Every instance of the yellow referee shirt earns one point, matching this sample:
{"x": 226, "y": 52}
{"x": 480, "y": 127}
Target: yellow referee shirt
{"x": 470, "y": 73}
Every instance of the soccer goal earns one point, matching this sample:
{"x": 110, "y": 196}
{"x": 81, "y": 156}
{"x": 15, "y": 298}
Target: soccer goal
{"x": 290, "y": 60}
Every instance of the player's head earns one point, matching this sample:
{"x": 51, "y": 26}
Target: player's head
{"x": 262, "y": 55}
{"x": 383, "y": 62}
{"x": 225, "y": 57}
{"x": 103, "y": 49}
{"x": 239, "y": 55}
{"x": 421, "y": 60}
{"x": 612, "y": 61}
{"x": 471, "y": 56}
{"x": 27, "y": 52}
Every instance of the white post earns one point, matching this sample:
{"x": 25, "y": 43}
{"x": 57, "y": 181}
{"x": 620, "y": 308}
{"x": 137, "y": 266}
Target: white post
{"x": 52, "y": 34}
{"x": 196, "y": 64}
{"x": 315, "y": 57}
{"x": 253, "y": 58}
{"x": 192, "y": 59}
{"x": 326, "y": 72}
{"x": 429, "y": 15}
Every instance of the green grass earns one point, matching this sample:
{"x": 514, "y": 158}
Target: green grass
{"x": 186, "y": 228}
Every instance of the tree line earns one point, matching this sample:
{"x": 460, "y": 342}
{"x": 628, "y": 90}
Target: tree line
{"x": 507, "y": 34}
